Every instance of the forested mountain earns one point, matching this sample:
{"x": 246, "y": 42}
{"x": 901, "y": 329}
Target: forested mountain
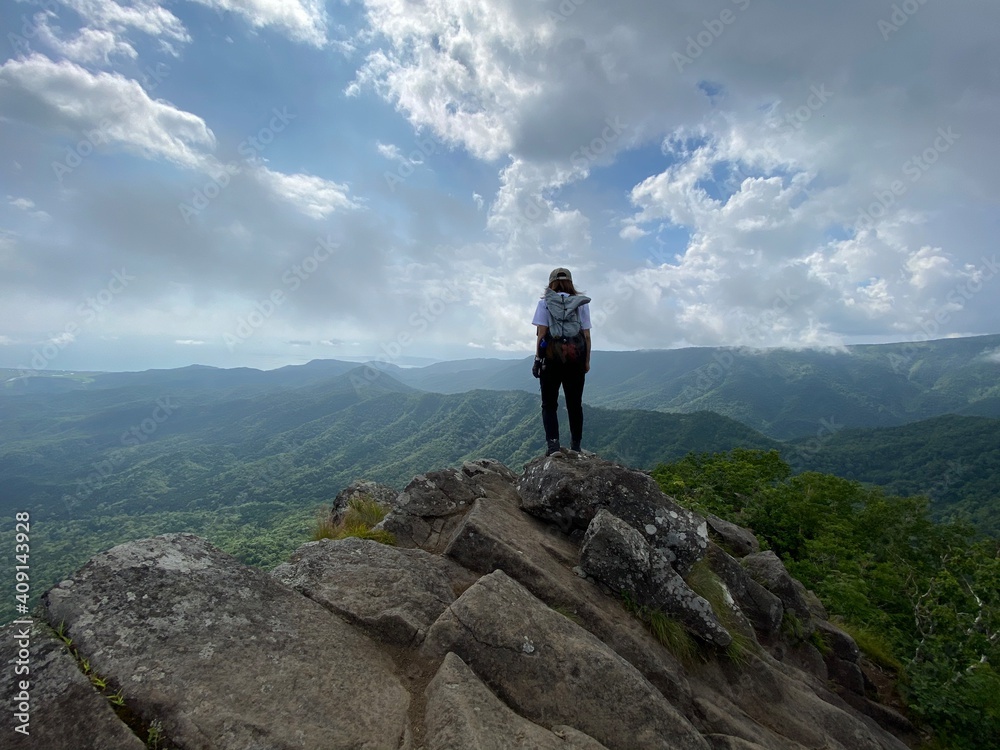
{"x": 780, "y": 392}
{"x": 953, "y": 460}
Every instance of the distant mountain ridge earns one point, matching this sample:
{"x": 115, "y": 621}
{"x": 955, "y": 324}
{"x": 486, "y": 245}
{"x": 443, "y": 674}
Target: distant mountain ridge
{"x": 782, "y": 393}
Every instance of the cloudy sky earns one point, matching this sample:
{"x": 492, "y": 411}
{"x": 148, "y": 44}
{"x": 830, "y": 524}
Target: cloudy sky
{"x": 265, "y": 182}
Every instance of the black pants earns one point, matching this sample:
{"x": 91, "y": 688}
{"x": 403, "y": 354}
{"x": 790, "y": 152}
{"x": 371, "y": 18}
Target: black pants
{"x": 571, "y": 378}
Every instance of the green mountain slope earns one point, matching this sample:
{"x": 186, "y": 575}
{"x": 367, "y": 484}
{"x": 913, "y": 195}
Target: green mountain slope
{"x": 783, "y": 393}
{"x": 953, "y": 460}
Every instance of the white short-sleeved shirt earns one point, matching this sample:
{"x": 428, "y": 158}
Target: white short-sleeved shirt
{"x": 542, "y": 314}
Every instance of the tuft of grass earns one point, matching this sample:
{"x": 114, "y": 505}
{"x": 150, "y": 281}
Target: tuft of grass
{"x": 792, "y": 627}
{"x": 362, "y": 514}
{"x": 670, "y": 633}
{"x": 706, "y": 584}
{"x": 154, "y": 735}
{"x": 742, "y": 649}
{"x": 873, "y": 645}
{"x": 324, "y": 528}
{"x": 818, "y": 639}
{"x": 568, "y": 613}
{"x": 364, "y": 511}
{"x": 673, "y": 635}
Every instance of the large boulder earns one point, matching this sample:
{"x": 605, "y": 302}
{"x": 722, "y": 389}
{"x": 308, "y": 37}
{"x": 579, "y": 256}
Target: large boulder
{"x": 394, "y": 594}
{"x": 768, "y": 570}
{"x": 843, "y": 658}
{"x": 618, "y": 556}
{"x": 551, "y": 671}
{"x": 463, "y": 713}
{"x": 569, "y": 491}
{"x": 734, "y": 539}
{"x": 224, "y": 656}
{"x": 497, "y": 535}
{"x": 429, "y": 509}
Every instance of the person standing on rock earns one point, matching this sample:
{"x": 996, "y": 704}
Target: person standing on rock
{"x": 562, "y": 355}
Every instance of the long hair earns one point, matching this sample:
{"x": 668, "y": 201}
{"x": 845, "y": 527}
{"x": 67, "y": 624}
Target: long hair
{"x": 563, "y": 285}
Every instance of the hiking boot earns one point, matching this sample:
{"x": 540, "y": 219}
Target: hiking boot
{"x": 575, "y": 446}
{"x": 552, "y": 446}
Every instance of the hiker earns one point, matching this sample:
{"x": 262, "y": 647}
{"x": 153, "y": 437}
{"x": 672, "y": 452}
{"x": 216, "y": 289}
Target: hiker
{"x": 562, "y": 355}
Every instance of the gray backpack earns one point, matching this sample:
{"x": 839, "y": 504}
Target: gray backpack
{"x": 565, "y": 341}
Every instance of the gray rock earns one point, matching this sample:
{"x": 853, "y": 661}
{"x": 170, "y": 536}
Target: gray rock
{"x": 842, "y": 645}
{"x": 431, "y": 506}
{"x": 728, "y": 742}
{"x": 568, "y": 492}
{"x": 727, "y": 725}
{"x": 762, "y": 608}
{"x": 551, "y": 671}
{"x": 888, "y": 718}
{"x": 485, "y": 468}
{"x": 816, "y": 608}
{"x": 670, "y": 593}
{"x": 497, "y": 535}
{"x": 223, "y": 655}
{"x": 618, "y": 556}
{"x": 738, "y": 541}
{"x": 843, "y": 662}
{"x": 463, "y": 713}
{"x": 65, "y": 712}
{"x": 779, "y": 707}
{"x": 770, "y": 572}
{"x": 394, "y": 594}
{"x": 380, "y": 493}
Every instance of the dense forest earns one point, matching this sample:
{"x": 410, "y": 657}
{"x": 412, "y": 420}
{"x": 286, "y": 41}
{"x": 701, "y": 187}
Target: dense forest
{"x": 922, "y": 598}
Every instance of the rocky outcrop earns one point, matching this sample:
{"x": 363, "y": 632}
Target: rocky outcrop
{"x": 394, "y": 594}
{"x": 569, "y": 493}
{"x": 223, "y": 656}
{"x": 496, "y": 623}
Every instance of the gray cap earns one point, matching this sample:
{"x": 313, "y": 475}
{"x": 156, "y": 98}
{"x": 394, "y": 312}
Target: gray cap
{"x": 560, "y": 273}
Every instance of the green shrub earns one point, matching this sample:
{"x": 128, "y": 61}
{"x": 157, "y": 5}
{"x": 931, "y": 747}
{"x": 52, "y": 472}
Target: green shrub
{"x": 874, "y": 646}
